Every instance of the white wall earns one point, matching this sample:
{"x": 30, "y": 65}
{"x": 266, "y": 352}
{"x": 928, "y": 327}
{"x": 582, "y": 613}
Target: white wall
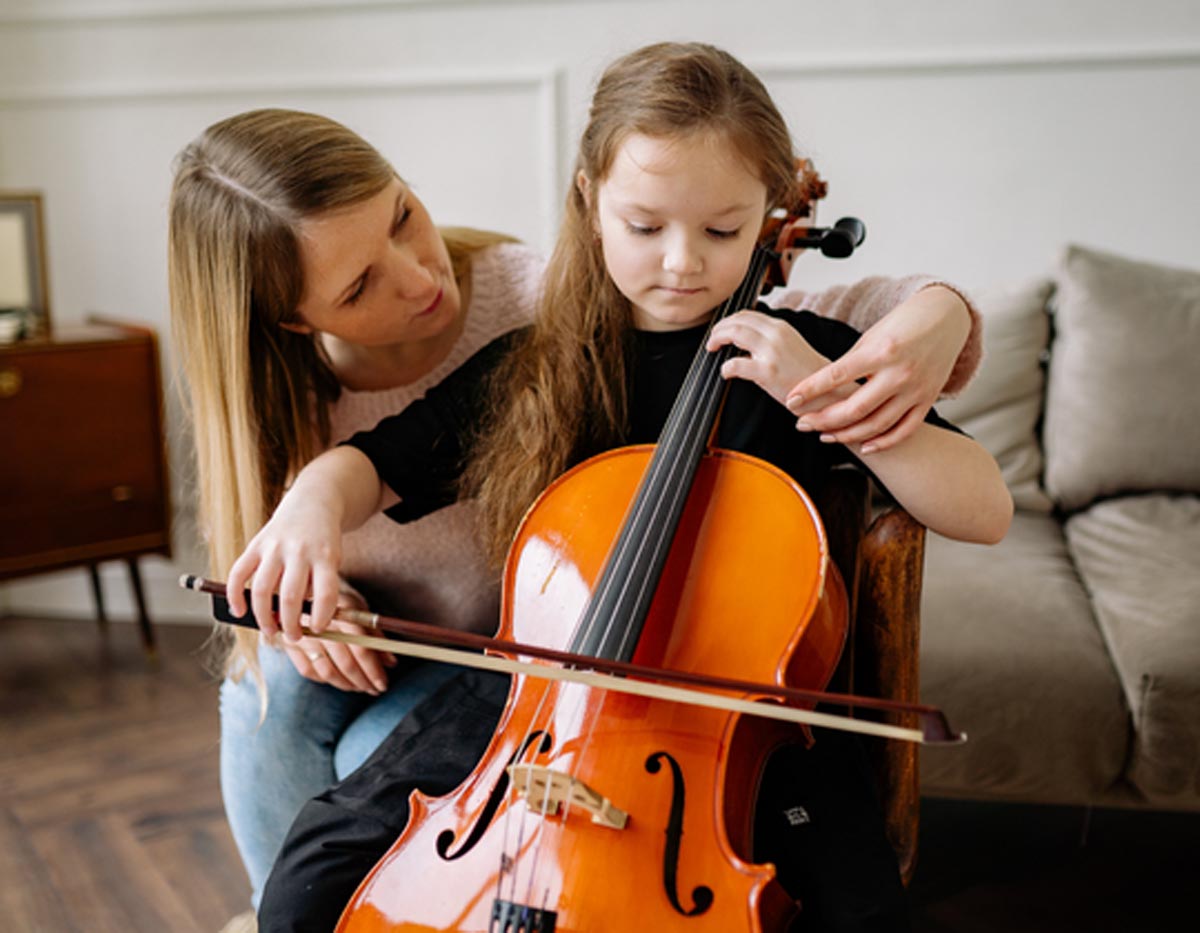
{"x": 973, "y": 137}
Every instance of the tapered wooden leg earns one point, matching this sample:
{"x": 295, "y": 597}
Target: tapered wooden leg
{"x": 98, "y": 594}
{"x": 135, "y": 580}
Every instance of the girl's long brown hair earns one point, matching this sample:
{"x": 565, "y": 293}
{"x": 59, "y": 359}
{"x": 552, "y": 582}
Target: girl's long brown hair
{"x": 561, "y": 394}
{"x": 258, "y": 394}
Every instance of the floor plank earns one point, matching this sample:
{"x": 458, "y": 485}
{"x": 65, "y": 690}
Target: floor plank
{"x": 111, "y": 815}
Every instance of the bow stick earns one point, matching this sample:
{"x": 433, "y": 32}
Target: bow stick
{"x": 430, "y": 641}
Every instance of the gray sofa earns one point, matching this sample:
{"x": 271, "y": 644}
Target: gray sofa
{"x": 1070, "y": 652}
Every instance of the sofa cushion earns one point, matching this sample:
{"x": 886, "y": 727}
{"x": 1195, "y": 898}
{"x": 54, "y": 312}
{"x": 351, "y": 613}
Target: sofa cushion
{"x": 1137, "y": 557}
{"x": 1003, "y": 403}
{"x": 1011, "y": 652}
{"x": 1120, "y": 415}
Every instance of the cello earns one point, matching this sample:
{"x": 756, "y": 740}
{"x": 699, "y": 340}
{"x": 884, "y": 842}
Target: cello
{"x": 599, "y": 810}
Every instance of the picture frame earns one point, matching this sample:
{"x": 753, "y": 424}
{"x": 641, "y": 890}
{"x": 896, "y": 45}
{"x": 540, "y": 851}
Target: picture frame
{"x": 24, "y": 282}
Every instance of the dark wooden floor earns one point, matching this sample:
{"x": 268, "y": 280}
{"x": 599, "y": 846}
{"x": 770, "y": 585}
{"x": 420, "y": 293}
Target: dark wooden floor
{"x": 110, "y": 815}
{"x": 110, "y": 809}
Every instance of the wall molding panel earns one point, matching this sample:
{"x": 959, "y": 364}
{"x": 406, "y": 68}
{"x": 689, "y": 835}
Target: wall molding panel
{"x": 993, "y": 61}
{"x": 545, "y": 87}
{"x": 82, "y": 12}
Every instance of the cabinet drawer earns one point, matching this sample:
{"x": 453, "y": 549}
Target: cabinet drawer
{"x": 84, "y": 471}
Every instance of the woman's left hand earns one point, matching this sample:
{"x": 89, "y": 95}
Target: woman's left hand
{"x": 904, "y": 360}
{"x": 348, "y": 667}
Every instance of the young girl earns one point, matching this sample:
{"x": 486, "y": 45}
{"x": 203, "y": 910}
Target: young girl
{"x": 683, "y": 157}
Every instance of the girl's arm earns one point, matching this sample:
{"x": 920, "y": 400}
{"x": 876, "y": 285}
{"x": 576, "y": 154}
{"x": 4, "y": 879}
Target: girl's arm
{"x": 946, "y": 480}
{"x": 299, "y": 550}
{"x": 921, "y": 339}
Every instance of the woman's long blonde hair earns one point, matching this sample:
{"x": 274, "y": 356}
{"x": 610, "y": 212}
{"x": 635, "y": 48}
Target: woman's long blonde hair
{"x": 562, "y": 391}
{"x": 259, "y": 394}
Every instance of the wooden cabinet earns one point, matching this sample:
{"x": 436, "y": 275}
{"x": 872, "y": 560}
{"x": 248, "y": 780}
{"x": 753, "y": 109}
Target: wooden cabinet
{"x": 83, "y": 478}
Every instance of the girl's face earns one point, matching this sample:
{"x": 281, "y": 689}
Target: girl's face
{"x": 678, "y": 220}
{"x": 376, "y": 273}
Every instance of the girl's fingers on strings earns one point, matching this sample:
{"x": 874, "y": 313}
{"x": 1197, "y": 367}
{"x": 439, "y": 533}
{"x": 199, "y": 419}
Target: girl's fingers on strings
{"x": 745, "y": 329}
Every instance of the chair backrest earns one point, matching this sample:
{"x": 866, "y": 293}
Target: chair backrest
{"x": 882, "y": 560}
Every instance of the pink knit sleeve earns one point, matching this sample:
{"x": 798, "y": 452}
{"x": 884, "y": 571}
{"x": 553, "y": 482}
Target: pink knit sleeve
{"x": 862, "y": 304}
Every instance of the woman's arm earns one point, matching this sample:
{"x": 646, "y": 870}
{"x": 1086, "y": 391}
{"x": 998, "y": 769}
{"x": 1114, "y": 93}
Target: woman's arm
{"x": 299, "y": 551}
{"x": 922, "y": 338}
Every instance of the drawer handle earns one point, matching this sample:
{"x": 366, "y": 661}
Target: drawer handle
{"x": 10, "y": 382}
{"x": 122, "y": 493}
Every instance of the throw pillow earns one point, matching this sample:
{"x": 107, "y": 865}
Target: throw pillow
{"x": 1001, "y": 406}
{"x": 1122, "y": 413}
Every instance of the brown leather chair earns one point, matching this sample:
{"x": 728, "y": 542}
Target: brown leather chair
{"x": 881, "y": 558}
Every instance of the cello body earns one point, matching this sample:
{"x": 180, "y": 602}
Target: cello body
{"x": 599, "y": 811}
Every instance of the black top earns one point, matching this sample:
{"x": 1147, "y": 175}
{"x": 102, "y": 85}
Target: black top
{"x": 421, "y": 451}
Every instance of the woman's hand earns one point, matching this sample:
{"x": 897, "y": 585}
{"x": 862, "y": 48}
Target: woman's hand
{"x": 347, "y": 667}
{"x": 777, "y": 357}
{"x": 298, "y": 552}
{"x": 295, "y": 554}
{"x": 905, "y": 360}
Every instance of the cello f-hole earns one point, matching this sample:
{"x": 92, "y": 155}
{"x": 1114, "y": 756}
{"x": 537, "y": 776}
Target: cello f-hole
{"x": 445, "y": 839}
{"x": 702, "y": 895}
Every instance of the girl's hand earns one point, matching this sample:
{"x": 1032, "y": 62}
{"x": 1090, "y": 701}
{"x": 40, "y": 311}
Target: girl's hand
{"x": 905, "y": 359}
{"x": 348, "y": 667}
{"x": 297, "y": 553}
{"x": 777, "y": 357}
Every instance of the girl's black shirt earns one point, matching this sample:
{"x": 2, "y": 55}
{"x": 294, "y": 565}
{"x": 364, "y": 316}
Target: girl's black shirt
{"x": 420, "y": 452}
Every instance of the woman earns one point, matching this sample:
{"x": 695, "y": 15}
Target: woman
{"x": 312, "y": 295}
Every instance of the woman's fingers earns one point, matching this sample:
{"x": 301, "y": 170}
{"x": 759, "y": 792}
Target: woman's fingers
{"x": 266, "y": 581}
{"x": 311, "y": 660}
{"x": 842, "y": 372}
{"x": 344, "y": 666}
{"x": 326, "y": 586}
{"x": 235, "y": 583}
{"x": 293, "y": 587}
{"x": 371, "y": 665}
{"x": 898, "y": 432}
{"x": 855, "y": 412}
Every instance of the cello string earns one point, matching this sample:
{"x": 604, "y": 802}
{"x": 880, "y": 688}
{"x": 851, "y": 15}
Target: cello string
{"x": 680, "y": 431}
{"x": 669, "y": 471}
{"x": 540, "y": 831}
{"x": 701, "y": 387}
{"x": 514, "y": 860}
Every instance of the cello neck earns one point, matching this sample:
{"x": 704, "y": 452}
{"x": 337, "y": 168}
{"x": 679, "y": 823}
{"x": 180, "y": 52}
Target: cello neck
{"x": 613, "y": 618}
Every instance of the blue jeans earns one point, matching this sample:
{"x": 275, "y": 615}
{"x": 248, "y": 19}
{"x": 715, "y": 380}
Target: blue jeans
{"x": 312, "y": 736}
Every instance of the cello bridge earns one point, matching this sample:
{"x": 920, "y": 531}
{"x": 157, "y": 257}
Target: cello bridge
{"x": 548, "y": 791}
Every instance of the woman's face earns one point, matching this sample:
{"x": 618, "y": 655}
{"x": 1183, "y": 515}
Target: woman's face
{"x": 377, "y": 273}
{"x": 678, "y": 220}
